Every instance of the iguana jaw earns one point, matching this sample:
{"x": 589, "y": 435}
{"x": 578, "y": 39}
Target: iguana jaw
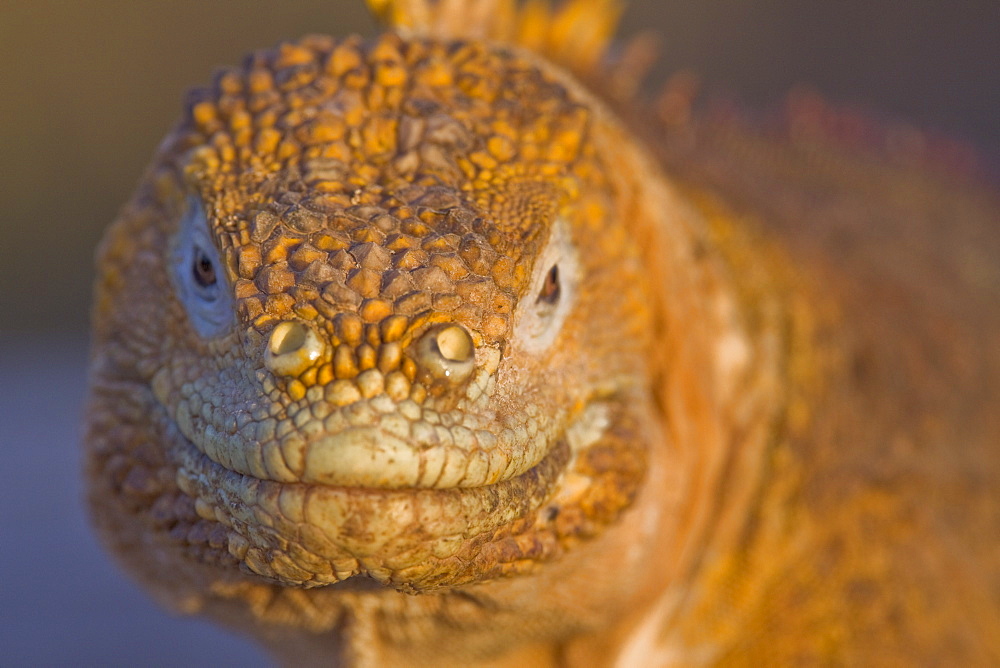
{"x": 312, "y": 534}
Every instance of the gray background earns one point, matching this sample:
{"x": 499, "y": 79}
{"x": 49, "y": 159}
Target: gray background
{"x": 87, "y": 89}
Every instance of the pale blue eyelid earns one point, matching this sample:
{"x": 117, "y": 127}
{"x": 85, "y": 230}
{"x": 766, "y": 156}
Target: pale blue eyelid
{"x": 210, "y": 310}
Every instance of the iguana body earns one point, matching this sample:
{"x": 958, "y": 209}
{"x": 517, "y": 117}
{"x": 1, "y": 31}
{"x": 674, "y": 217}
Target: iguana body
{"x": 408, "y": 352}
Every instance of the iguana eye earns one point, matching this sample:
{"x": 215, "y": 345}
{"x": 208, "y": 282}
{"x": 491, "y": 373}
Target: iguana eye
{"x": 539, "y": 320}
{"x": 203, "y": 269}
{"x": 197, "y": 273}
{"x": 550, "y": 289}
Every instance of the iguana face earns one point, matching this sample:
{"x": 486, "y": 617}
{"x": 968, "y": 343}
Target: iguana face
{"x": 363, "y": 305}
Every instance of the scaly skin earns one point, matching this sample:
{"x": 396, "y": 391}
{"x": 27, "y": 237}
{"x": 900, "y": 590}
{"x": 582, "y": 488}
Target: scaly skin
{"x": 341, "y": 401}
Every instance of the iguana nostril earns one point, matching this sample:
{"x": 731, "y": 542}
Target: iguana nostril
{"x": 292, "y": 348}
{"x": 446, "y": 352}
{"x": 454, "y": 343}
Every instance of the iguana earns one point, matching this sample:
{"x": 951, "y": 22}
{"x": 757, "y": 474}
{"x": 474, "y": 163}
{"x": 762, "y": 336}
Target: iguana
{"x": 445, "y": 348}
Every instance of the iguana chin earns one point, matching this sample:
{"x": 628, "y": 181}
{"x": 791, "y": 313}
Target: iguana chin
{"x": 408, "y": 351}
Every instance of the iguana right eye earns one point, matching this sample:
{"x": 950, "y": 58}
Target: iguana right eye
{"x": 203, "y": 269}
{"x": 197, "y": 273}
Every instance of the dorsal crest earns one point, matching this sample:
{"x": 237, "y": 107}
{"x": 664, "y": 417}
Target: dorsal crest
{"x": 575, "y": 34}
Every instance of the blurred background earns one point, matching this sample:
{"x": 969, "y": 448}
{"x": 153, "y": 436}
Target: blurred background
{"x": 88, "y": 88}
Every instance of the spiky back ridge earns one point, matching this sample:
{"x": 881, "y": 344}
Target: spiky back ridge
{"x": 576, "y": 34}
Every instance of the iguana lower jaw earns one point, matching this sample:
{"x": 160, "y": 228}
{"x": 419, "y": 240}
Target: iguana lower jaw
{"x": 407, "y": 538}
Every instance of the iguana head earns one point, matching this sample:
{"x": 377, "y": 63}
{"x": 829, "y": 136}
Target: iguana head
{"x": 390, "y": 315}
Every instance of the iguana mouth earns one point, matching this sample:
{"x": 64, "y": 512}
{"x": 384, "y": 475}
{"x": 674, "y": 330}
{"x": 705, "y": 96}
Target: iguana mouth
{"x": 311, "y": 533}
{"x": 374, "y": 443}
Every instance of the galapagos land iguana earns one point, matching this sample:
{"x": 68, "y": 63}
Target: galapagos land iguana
{"x": 444, "y": 348}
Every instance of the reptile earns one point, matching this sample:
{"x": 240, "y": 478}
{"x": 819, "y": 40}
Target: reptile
{"x": 448, "y": 347}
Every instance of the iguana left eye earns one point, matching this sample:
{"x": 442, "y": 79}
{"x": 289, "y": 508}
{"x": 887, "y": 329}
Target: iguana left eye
{"x": 551, "y": 289}
{"x": 554, "y": 282}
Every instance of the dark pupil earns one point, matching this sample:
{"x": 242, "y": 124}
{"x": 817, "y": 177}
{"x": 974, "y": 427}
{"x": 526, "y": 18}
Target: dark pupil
{"x": 550, "y": 291}
{"x": 204, "y": 270}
